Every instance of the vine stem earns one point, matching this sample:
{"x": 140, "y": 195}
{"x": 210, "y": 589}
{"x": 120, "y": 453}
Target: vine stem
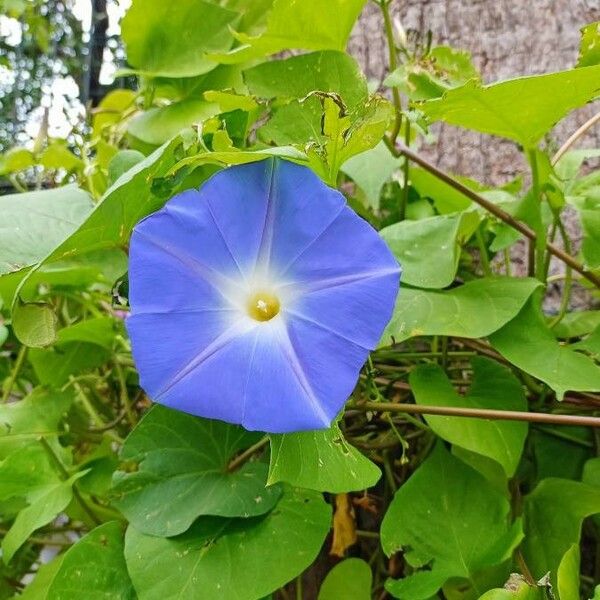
{"x": 401, "y": 149}
{"x": 15, "y": 373}
{"x": 478, "y": 413}
{"x": 393, "y": 60}
{"x": 65, "y": 475}
{"x": 239, "y": 460}
{"x": 571, "y": 140}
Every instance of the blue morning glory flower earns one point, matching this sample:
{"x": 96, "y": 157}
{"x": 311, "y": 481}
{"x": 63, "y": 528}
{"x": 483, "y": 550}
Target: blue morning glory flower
{"x": 256, "y": 299}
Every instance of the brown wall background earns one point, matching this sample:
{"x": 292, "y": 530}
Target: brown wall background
{"x": 506, "y": 39}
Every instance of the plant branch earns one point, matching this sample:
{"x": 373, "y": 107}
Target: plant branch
{"x": 239, "y": 460}
{"x": 401, "y": 149}
{"x": 393, "y": 60}
{"x": 567, "y": 145}
{"x": 15, "y": 372}
{"x": 478, "y": 413}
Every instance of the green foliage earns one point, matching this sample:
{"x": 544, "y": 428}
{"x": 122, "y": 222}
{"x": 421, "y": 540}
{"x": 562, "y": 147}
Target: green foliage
{"x": 36, "y": 222}
{"x": 429, "y": 249}
{"x": 461, "y": 524}
{"x": 351, "y": 579}
{"x": 522, "y": 109}
{"x": 553, "y": 515}
{"x": 528, "y": 343}
{"x": 146, "y": 502}
{"x": 320, "y": 460}
{"x": 493, "y": 386}
{"x": 165, "y": 487}
{"x": 105, "y": 575}
{"x": 230, "y": 558}
{"x": 473, "y": 310}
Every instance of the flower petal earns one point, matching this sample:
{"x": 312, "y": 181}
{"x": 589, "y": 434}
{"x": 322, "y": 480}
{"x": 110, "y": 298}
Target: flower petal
{"x": 349, "y": 247}
{"x": 279, "y": 396}
{"x": 163, "y": 344}
{"x": 238, "y": 200}
{"x": 302, "y": 207}
{"x": 357, "y": 310}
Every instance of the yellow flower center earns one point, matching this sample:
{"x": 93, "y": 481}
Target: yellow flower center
{"x": 263, "y": 306}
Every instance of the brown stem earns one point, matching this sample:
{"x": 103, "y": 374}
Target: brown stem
{"x": 479, "y": 413}
{"x": 401, "y": 149}
{"x": 239, "y": 460}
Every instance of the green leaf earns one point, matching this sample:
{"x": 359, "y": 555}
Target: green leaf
{"x": 26, "y": 470}
{"x": 516, "y": 589}
{"x": 589, "y": 47}
{"x": 522, "y": 109}
{"x": 121, "y": 162}
{"x": 349, "y": 580}
{"x": 446, "y": 198}
{"x": 577, "y": 323}
{"x": 306, "y": 25}
{"x": 320, "y": 460}
{"x": 473, "y": 310}
{"x": 39, "y": 414}
{"x": 437, "y": 71}
{"x": 527, "y": 343}
{"x": 231, "y": 558}
{"x": 100, "y": 331}
{"x": 110, "y": 110}
{"x": 568, "y": 575}
{"x": 131, "y": 198}
{"x": 33, "y": 223}
{"x": 95, "y": 564}
{"x": 493, "y": 386}
{"x": 54, "y": 366}
{"x": 15, "y": 160}
{"x": 553, "y": 514}
{"x": 37, "y": 589}
{"x": 370, "y": 170}
{"x": 181, "y": 473}
{"x": 297, "y": 76}
{"x": 590, "y": 246}
{"x": 173, "y": 39}
{"x": 157, "y": 125}
{"x": 58, "y": 156}
{"x": 45, "y": 504}
{"x": 448, "y": 515}
{"x": 429, "y": 249}
{"x": 34, "y": 324}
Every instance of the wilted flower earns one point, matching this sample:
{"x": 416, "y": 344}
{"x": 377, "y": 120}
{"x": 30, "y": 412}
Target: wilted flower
{"x": 256, "y": 299}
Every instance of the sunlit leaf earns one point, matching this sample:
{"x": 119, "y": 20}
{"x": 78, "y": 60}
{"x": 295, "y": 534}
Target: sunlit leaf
{"x": 522, "y": 109}
{"x": 33, "y": 223}
{"x": 172, "y": 39}
{"x": 473, "y": 310}
{"x": 429, "y": 249}
{"x": 351, "y": 579}
{"x": 306, "y": 25}
{"x": 589, "y": 47}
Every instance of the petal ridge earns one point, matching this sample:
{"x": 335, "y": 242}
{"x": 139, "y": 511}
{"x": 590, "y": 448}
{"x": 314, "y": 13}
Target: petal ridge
{"x": 302, "y": 316}
{"x": 238, "y": 328}
{"x": 266, "y": 240}
{"x": 289, "y": 351}
{"x": 214, "y": 278}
